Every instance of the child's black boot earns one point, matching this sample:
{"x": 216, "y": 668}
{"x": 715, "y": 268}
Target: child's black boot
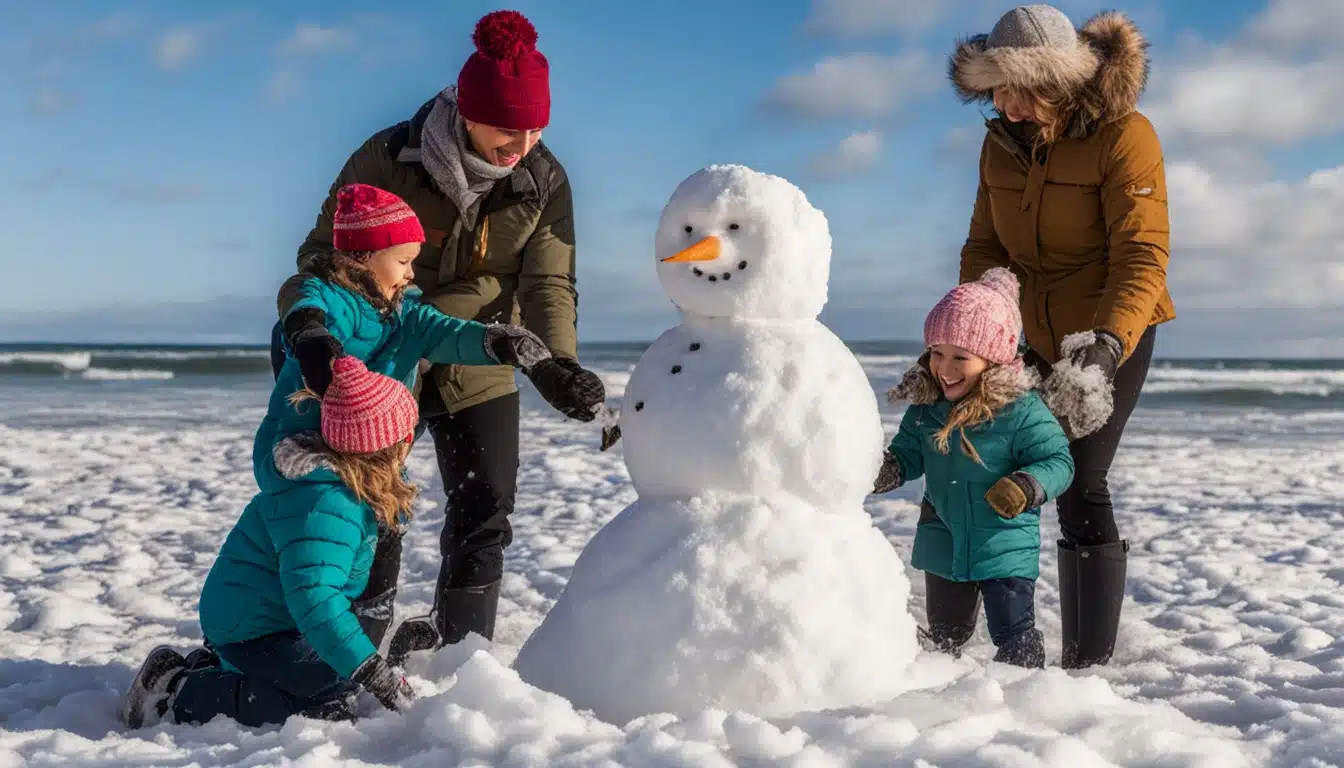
{"x": 1026, "y": 649}
{"x": 147, "y": 700}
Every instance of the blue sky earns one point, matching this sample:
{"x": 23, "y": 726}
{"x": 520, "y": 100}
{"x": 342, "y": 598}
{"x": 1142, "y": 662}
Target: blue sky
{"x": 173, "y": 153}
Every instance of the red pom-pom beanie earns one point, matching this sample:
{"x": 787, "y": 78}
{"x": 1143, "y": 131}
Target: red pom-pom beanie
{"x": 506, "y": 82}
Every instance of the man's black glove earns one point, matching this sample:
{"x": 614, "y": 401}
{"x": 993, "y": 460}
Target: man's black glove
{"x": 1104, "y": 353}
{"x": 313, "y": 346}
{"x": 379, "y": 679}
{"x": 889, "y": 476}
{"x": 514, "y": 345}
{"x": 569, "y": 388}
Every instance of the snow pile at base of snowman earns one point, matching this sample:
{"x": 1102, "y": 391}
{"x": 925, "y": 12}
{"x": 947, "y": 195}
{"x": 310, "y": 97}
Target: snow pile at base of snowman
{"x": 748, "y": 575}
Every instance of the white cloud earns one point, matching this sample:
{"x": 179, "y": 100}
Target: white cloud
{"x": 1279, "y": 80}
{"x": 311, "y": 39}
{"x": 1290, "y": 24}
{"x": 305, "y": 42}
{"x": 284, "y": 84}
{"x": 855, "y": 153}
{"x": 863, "y": 18}
{"x": 177, "y": 46}
{"x": 862, "y": 85}
{"x": 52, "y": 55}
{"x": 1238, "y": 95}
{"x": 1256, "y": 244}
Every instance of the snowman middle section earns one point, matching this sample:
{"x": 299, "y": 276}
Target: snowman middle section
{"x": 753, "y": 407}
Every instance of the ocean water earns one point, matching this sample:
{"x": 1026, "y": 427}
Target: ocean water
{"x": 53, "y": 376}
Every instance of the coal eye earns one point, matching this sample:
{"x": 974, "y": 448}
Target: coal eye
{"x": 689, "y": 229}
{"x": 733, "y": 226}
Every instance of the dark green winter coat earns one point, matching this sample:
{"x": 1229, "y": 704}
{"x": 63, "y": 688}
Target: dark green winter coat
{"x": 515, "y": 265}
{"x": 968, "y": 541}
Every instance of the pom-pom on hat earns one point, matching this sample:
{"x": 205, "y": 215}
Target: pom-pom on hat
{"x": 370, "y": 219}
{"x": 982, "y": 317}
{"x": 365, "y": 412}
{"x": 506, "y": 82}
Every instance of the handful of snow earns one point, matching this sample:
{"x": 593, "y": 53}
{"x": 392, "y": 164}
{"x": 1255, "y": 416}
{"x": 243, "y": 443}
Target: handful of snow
{"x": 1081, "y": 398}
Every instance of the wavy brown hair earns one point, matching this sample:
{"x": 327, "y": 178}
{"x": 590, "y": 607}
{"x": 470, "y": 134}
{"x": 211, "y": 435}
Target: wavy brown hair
{"x": 350, "y": 270}
{"x": 1055, "y": 109}
{"x": 374, "y": 478}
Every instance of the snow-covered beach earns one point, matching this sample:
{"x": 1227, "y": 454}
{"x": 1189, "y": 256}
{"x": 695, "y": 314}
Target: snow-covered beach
{"x": 118, "y": 489}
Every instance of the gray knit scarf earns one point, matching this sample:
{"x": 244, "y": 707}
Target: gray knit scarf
{"x": 460, "y": 173}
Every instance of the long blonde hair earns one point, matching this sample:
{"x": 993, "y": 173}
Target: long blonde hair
{"x": 376, "y": 479}
{"x": 974, "y": 409}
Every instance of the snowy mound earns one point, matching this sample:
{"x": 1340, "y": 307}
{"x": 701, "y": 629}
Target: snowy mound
{"x": 729, "y": 406}
{"x": 727, "y": 602}
{"x": 771, "y": 248}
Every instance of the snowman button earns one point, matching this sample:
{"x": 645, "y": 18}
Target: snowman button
{"x": 676, "y": 369}
{"x": 695, "y": 346}
{"x": 639, "y": 406}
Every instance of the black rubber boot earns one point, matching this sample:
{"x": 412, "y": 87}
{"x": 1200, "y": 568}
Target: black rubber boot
{"x": 1091, "y": 594}
{"x": 1068, "y": 603}
{"x": 1025, "y": 650}
{"x": 951, "y": 608}
{"x": 457, "y": 612}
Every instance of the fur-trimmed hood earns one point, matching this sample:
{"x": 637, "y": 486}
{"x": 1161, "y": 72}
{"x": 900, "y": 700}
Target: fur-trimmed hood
{"x": 1003, "y": 385}
{"x": 298, "y": 456}
{"x": 1105, "y": 74}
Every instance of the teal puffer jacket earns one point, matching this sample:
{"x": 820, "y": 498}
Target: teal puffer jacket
{"x": 391, "y": 344}
{"x": 296, "y": 558}
{"x": 969, "y": 541}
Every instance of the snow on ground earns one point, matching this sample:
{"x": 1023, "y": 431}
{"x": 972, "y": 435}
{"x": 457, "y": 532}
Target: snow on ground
{"x": 1232, "y": 651}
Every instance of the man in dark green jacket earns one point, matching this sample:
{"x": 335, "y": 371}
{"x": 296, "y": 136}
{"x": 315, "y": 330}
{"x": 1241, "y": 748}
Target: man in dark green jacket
{"x": 498, "y": 217}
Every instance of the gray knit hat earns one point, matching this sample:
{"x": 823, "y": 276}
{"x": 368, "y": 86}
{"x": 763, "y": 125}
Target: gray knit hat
{"x": 1031, "y": 46}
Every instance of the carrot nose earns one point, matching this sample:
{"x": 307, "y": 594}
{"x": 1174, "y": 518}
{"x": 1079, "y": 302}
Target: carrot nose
{"x": 705, "y": 250}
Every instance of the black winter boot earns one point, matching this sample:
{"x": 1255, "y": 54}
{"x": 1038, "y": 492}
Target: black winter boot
{"x": 1025, "y": 650}
{"x": 1091, "y": 594}
{"x": 951, "y": 608}
{"x": 457, "y": 612}
{"x": 374, "y": 607}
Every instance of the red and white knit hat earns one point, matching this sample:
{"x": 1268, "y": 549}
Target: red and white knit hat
{"x": 370, "y": 219}
{"x": 365, "y": 412}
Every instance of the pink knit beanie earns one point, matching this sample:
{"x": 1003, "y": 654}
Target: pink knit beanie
{"x": 982, "y": 317}
{"x": 365, "y": 412}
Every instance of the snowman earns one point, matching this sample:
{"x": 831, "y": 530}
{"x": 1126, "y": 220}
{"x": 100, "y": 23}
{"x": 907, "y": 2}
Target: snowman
{"x": 747, "y": 575}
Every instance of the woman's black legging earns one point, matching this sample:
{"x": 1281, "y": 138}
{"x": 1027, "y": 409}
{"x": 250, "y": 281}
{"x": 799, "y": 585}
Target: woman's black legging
{"x": 1086, "y": 515}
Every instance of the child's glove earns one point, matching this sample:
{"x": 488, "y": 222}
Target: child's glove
{"x": 1014, "y": 495}
{"x": 313, "y": 346}
{"x": 569, "y": 388}
{"x": 889, "y": 476}
{"x": 514, "y": 345}
{"x": 390, "y": 688}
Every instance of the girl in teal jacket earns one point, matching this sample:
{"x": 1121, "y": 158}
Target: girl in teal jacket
{"x": 360, "y": 302}
{"x": 991, "y": 454}
{"x": 275, "y": 610}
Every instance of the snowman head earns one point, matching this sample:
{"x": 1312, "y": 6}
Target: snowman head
{"x": 734, "y": 242}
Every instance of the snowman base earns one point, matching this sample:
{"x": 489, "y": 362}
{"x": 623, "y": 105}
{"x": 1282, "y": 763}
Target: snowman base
{"x": 728, "y": 602}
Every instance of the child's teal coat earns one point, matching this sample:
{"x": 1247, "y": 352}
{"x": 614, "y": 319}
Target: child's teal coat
{"x": 296, "y": 558}
{"x": 391, "y": 345}
{"x": 969, "y": 541}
